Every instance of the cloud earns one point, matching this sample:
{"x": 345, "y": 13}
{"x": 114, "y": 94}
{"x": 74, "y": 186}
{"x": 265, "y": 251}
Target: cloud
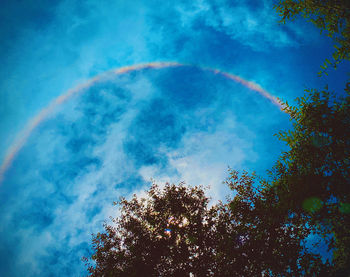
{"x": 176, "y": 124}
{"x": 68, "y": 190}
{"x": 75, "y": 43}
{"x": 67, "y": 43}
{"x": 204, "y": 157}
{"x": 252, "y": 24}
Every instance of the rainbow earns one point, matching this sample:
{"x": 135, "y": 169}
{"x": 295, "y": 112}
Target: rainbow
{"x": 34, "y": 122}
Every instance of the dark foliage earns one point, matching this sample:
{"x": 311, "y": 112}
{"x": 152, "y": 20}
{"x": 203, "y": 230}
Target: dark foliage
{"x": 312, "y": 179}
{"x": 256, "y": 238}
{"x": 174, "y": 232}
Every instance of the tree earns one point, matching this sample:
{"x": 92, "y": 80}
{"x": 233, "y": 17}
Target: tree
{"x": 153, "y": 237}
{"x": 256, "y": 238}
{"x": 312, "y": 179}
{"x": 167, "y": 234}
{"x": 174, "y": 232}
{"x": 333, "y": 16}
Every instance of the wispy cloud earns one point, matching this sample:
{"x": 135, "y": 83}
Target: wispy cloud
{"x": 92, "y": 150}
{"x": 251, "y": 24}
{"x": 175, "y": 124}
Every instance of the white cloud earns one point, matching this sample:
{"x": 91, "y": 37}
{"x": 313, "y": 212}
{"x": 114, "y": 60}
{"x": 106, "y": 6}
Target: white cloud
{"x": 117, "y": 35}
{"x": 254, "y": 26}
{"x": 203, "y": 158}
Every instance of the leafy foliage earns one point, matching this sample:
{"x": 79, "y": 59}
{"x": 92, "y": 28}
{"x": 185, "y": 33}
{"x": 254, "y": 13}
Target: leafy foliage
{"x": 333, "y": 16}
{"x": 256, "y": 237}
{"x": 174, "y": 232}
{"x": 153, "y": 237}
{"x": 312, "y": 179}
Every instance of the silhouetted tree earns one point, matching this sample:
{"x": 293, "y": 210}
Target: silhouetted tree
{"x": 312, "y": 179}
{"x": 256, "y": 238}
{"x": 169, "y": 233}
{"x": 174, "y": 232}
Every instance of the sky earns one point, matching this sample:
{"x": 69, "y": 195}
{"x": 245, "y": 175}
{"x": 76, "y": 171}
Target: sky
{"x": 186, "y": 120}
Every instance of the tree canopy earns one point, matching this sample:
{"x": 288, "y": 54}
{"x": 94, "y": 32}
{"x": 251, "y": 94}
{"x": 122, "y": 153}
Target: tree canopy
{"x": 175, "y": 232}
{"x": 312, "y": 179}
{"x": 167, "y": 234}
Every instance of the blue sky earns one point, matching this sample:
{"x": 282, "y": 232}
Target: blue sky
{"x": 171, "y": 124}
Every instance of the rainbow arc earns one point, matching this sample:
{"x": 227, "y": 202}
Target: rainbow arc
{"x": 34, "y": 122}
